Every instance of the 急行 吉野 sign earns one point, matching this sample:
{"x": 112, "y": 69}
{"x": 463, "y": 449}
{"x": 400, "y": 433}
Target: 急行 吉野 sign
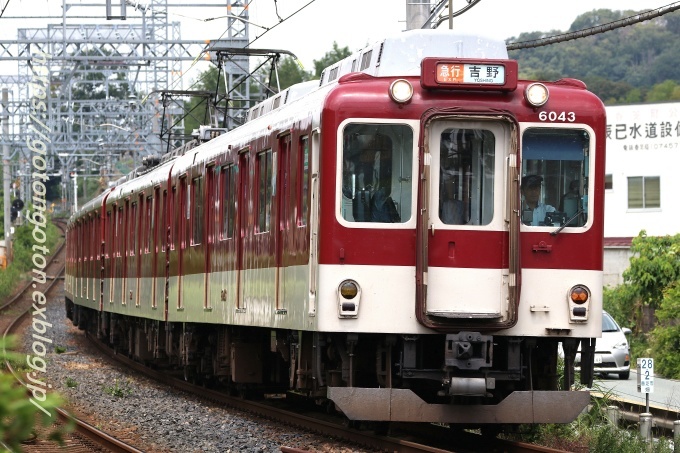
{"x": 470, "y": 73}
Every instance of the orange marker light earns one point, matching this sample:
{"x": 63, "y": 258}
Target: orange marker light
{"x": 579, "y": 295}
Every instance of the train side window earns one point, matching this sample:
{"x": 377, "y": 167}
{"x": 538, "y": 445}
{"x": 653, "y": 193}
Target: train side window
{"x": 303, "y": 175}
{"x": 157, "y": 222}
{"x": 113, "y": 230}
{"x": 174, "y": 218}
{"x": 150, "y": 219}
{"x": 184, "y": 213}
{"x": 265, "y": 184}
{"x": 555, "y": 171}
{"x": 197, "y": 211}
{"x": 132, "y": 244}
{"x": 228, "y": 202}
{"x": 119, "y": 232}
{"x": 377, "y": 163}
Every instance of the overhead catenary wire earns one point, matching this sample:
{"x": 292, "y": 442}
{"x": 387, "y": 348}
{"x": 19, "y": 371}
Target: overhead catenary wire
{"x": 266, "y": 30}
{"x": 4, "y": 8}
{"x": 637, "y": 18}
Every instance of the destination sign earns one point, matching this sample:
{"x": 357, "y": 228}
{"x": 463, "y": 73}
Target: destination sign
{"x": 470, "y": 73}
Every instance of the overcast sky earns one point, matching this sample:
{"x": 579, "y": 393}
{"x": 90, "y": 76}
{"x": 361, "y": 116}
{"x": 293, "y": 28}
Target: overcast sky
{"x": 310, "y": 33}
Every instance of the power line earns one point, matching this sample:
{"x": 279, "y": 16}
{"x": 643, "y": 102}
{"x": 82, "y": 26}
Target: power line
{"x": 597, "y": 29}
{"x": 198, "y": 57}
{"x": 281, "y": 21}
{"x": 4, "y": 8}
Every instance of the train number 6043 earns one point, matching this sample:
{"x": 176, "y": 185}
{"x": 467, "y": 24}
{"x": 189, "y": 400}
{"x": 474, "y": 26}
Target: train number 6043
{"x": 557, "y": 116}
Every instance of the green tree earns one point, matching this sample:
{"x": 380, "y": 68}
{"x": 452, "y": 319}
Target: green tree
{"x": 95, "y": 81}
{"x": 668, "y": 90}
{"x": 331, "y": 57}
{"x": 291, "y": 72}
{"x": 620, "y": 65}
{"x": 654, "y": 266}
{"x": 666, "y": 335}
{"x": 197, "y": 109}
{"x": 651, "y": 284}
{"x": 18, "y": 414}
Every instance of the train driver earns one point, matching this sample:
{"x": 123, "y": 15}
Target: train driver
{"x": 533, "y": 209}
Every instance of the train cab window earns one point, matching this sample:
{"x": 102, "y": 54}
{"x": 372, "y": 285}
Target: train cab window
{"x": 554, "y": 184}
{"x": 265, "y": 186}
{"x": 466, "y": 176}
{"x": 377, "y": 164}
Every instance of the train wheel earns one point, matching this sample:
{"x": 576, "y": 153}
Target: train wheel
{"x": 490, "y": 431}
{"x": 381, "y": 428}
{"x": 354, "y": 424}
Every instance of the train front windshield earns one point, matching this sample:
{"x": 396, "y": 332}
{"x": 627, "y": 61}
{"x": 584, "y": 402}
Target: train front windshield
{"x": 554, "y": 185}
{"x": 377, "y": 166}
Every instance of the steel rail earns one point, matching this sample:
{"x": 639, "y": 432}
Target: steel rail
{"x": 100, "y": 438}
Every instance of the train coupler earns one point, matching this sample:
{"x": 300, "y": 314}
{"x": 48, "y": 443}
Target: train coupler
{"x": 469, "y": 350}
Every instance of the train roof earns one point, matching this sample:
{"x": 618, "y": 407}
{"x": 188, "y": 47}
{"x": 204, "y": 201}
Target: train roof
{"x": 399, "y": 55}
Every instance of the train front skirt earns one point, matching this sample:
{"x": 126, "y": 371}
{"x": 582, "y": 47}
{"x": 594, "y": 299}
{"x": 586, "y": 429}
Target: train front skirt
{"x": 402, "y": 405}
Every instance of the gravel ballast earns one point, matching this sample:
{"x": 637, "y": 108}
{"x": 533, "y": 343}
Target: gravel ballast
{"x": 150, "y": 416}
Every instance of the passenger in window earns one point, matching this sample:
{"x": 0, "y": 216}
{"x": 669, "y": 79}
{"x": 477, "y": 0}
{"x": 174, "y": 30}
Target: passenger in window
{"x": 569, "y": 201}
{"x": 533, "y": 210}
{"x": 451, "y": 209}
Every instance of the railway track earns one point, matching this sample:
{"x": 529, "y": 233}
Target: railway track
{"x": 427, "y": 438}
{"x": 14, "y": 315}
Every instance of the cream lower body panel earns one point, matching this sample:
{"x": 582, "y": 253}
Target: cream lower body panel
{"x": 387, "y": 303}
{"x": 461, "y": 293}
{"x": 544, "y": 306}
{"x": 258, "y": 303}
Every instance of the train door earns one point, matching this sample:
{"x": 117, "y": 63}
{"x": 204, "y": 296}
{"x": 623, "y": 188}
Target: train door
{"x": 244, "y": 206}
{"x": 134, "y": 277}
{"x": 119, "y": 253}
{"x": 466, "y": 243}
{"x": 156, "y": 248}
{"x": 183, "y": 218}
{"x": 209, "y": 229}
{"x": 282, "y": 226}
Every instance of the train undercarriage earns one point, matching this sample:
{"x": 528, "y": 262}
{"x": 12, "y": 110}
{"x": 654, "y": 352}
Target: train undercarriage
{"x": 466, "y": 378}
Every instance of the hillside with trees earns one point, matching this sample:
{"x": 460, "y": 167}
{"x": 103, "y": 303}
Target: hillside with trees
{"x": 627, "y": 65}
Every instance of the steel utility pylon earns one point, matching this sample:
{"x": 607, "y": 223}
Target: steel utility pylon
{"x": 103, "y": 106}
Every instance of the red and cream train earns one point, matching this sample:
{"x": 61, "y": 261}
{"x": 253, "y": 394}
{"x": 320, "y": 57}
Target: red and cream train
{"x": 368, "y": 240}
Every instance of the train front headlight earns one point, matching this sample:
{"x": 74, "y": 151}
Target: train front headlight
{"x": 579, "y": 303}
{"x": 536, "y": 94}
{"x": 349, "y": 295}
{"x": 401, "y": 91}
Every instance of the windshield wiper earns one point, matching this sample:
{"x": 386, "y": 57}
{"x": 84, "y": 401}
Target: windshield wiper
{"x": 557, "y": 231}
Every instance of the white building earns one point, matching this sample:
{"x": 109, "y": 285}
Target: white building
{"x": 642, "y": 185}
